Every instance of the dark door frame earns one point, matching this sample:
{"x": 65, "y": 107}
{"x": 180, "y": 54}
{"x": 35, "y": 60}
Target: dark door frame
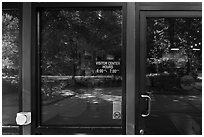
{"x": 144, "y": 10}
{"x": 36, "y": 128}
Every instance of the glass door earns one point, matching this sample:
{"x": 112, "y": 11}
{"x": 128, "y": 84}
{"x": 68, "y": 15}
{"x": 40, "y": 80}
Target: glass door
{"x": 79, "y": 73}
{"x": 171, "y": 46}
{"x": 11, "y": 67}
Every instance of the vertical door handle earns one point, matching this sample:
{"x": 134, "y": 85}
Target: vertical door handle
{"x": 149, "y": 105}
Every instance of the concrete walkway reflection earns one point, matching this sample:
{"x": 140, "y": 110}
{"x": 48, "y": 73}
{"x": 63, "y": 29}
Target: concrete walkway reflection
{"x": 10, "y": 107}
{"x": 175, "y": 114}
{"x": 92, "y": 107}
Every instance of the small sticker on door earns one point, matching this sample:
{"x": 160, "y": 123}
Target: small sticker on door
{"x": 117, "y": 110}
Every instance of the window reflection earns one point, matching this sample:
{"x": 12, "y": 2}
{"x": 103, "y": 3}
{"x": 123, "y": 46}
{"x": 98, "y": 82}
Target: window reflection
{"x": 174, "y": 74}
{"x": 10, "y": 67}
{"x": 80, "y": 66}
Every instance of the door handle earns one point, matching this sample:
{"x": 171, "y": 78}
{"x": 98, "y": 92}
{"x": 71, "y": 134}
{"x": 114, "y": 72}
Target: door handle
{"x": 149, "y": 105}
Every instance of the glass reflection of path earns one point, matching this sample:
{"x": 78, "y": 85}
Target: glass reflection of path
{"x": 92, "y": 107}
{"x": 177, "y": 114}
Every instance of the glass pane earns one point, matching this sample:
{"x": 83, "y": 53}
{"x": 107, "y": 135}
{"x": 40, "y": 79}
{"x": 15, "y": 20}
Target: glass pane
{"x": 10, "y": 66}
{"x": 81, "y": 80}
{"x": 174, "y": 75}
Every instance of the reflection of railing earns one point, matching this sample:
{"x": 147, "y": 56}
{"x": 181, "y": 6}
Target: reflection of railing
{"x": 152, "y": 74}
{"x": 11, "y": 79}
{"x": 83, "y": 81}
{"x": 81, "y": 77}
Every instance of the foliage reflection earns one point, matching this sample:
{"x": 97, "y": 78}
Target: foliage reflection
{"x": 174, "y": 75}
{"x": 81, "y": 63}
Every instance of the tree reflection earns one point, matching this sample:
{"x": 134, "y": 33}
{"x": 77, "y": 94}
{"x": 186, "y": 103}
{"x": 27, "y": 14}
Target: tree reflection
{"x": 72, "y": 41}
{"x": 174, "y": 47}
{"x": 10, "y": 46}
{"x": 10, "y": 66}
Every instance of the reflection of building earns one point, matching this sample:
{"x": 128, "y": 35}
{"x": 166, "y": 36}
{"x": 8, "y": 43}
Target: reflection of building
{"x": 172, "y": 62}
{"x": 179, "y": 59}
